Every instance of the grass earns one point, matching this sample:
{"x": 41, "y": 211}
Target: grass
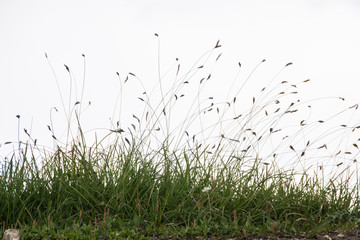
{"x": 223, "y": 169}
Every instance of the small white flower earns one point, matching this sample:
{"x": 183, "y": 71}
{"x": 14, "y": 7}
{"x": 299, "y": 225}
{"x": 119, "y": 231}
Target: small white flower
{"x": 206, "y": 189}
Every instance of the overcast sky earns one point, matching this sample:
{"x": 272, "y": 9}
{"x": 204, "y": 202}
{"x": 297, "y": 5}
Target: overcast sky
{"x": 320, "y": 38}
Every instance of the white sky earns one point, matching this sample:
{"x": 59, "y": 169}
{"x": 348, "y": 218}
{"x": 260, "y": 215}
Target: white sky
{"x": 321, "y": 38}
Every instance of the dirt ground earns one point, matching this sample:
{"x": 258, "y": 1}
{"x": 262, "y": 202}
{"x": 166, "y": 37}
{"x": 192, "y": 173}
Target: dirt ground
{"x": 350, "y": 235}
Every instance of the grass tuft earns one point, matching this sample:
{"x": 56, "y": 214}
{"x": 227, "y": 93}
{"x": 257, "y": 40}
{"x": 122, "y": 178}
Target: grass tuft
{"x": 189, "y": 165}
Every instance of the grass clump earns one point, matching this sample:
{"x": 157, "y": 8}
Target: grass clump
{"x": 221, "y": 170}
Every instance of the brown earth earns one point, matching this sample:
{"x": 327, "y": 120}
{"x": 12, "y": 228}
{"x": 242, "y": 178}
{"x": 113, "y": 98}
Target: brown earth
{"x": 351, "y": 235}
